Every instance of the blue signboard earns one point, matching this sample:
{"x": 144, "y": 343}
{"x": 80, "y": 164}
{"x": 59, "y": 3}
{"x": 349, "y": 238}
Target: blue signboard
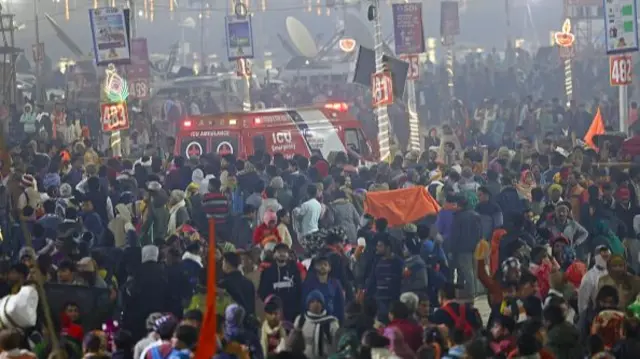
{"x": 239, "y": 37}
{"x": 407, "y": 28}
{"x": 109, "y": 30}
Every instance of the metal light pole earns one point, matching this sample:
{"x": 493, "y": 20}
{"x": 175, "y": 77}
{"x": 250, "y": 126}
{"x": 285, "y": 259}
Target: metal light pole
{"x": 624, "y": 107}
{"x": 36, "y": 10}
{"x": 381, "y": 115}
{"x": 132, "y": 17}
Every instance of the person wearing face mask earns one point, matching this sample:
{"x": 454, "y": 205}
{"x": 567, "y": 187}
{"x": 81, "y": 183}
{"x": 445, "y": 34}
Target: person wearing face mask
{"x": 282, "y": 278}
{"x": 587, "y": 290}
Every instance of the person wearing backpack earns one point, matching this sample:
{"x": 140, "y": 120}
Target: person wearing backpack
{"x": 318, "y": 328}
{"x": 455, "y": 314}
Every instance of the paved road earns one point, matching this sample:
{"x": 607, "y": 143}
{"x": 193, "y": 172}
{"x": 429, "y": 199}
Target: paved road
{"x": 482, "y": 305}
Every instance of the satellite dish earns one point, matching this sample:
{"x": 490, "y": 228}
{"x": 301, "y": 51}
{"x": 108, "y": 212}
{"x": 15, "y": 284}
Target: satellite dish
{"x": 301, "y": 38}
{"x": 356, "y": 29}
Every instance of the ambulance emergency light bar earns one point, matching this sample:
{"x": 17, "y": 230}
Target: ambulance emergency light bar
{"x": 334, "y": 106}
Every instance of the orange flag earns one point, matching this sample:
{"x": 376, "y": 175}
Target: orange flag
{"x": 207, "y": 341}
{"x": 596, "y": 128}
{"x": 401, "y": 206}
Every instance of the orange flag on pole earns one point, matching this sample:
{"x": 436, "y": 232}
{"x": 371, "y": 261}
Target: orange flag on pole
{"x": 596, "y": 128}
{"x": 208, "y": 332}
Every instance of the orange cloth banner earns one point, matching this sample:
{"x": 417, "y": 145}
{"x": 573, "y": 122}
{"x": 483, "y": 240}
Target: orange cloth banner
{"x": 401, "y": 206}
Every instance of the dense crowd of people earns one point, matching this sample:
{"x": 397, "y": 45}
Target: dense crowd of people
{"x": 523, "y": 220}
{"x": 304, "y": 269}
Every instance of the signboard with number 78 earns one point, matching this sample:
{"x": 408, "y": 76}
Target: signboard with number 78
{"x": 620, "y": 70}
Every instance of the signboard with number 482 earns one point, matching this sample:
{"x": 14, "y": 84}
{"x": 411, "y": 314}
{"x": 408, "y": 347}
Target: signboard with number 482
{"x": 620, "y": 70}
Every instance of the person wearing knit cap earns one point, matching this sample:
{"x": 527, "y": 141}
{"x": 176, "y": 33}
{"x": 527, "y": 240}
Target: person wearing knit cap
{"x": 318, "y": 328}
{"x": 318, "y": 279}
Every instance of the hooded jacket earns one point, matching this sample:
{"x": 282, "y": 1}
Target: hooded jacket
{"x": 286, "y": 283}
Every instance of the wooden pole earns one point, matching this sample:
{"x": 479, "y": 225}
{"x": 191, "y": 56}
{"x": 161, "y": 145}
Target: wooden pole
{"x": 42, "y": 295}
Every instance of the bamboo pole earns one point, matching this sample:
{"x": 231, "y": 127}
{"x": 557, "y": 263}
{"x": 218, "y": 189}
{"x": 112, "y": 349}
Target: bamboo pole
{"x": 42, "y": 295}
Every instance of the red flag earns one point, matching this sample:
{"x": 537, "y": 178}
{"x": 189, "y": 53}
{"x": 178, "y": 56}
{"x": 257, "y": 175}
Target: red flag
{"x": 207, "y": 340}
{"x": 596, "y": 128}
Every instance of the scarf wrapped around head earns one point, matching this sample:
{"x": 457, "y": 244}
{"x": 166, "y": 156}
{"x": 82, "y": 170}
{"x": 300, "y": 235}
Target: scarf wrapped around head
{"x": 233, "y": 318}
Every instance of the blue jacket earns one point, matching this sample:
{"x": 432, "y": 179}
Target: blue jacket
{"x": 385, "y": 282}
{"x": 444, "y": 222}
{"x": 332, "y": 292}
{"x": 93, "y": 223}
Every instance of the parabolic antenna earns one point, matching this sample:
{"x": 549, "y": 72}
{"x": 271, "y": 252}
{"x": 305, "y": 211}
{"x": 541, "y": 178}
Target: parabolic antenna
{"x": 356, "y": 29}
{"x": 301, "y": 38}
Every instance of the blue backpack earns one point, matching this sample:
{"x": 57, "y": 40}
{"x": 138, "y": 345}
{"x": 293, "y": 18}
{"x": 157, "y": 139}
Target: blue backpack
{"x": 173, "y": 354}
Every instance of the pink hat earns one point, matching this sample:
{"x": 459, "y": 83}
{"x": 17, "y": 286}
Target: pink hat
{"x": 269, "y": 216}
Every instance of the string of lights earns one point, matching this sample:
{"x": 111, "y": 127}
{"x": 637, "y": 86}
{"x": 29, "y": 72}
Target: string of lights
{"x": 149, "y": 8}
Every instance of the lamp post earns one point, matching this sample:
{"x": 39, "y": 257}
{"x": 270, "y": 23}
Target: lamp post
{"x": 380, "y": 112}
{"x": 565, "y": 40}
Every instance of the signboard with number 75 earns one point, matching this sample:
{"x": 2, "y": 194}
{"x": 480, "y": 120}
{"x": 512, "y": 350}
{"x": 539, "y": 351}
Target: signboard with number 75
{"x": 114, "y": 116}
{"x": 620, "y": 70}
{"x": 414, "y": 66}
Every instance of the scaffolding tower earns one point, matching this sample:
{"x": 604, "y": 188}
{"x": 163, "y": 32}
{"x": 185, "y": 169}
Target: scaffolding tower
{"x": 9, "y": 54}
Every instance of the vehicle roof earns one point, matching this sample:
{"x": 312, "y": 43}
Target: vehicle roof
{"x": 331, "y": 115}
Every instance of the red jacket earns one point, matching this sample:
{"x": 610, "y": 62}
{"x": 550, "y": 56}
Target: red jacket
{"x": 263, "y": 234}
{"x": 411, "y": 331}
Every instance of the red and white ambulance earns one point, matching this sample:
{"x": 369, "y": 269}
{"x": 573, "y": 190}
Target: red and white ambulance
{"x": 305, "y": 131}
